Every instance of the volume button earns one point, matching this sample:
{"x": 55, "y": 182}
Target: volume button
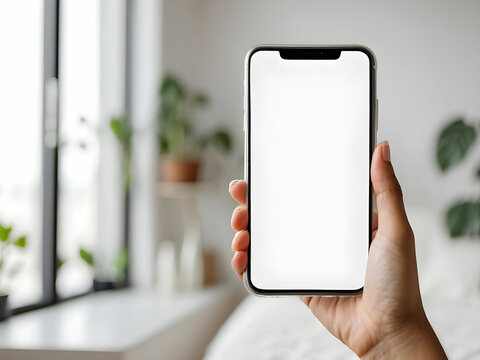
{"x": 376, "y": 115}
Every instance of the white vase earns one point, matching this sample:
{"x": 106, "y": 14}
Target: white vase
{"x": 167, "y": 279}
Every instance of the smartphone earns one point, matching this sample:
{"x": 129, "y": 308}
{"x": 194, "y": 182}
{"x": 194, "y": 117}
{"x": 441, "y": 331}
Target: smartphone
{"x": 310, "y": 130}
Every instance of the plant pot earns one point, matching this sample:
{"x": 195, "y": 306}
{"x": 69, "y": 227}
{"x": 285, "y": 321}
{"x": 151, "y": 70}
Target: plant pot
{"x": 179, "y": 170}
{"x": 4, "y": 313}
{"x": 102, "y": 285}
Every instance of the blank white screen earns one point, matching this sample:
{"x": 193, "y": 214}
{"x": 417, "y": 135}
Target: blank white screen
{"x": 309, "y": 171}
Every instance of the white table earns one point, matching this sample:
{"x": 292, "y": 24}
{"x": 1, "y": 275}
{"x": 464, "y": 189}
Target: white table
{"x": 122, "y": 324}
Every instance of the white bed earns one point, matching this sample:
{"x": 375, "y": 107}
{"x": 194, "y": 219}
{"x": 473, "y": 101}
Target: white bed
{"x": 284, "y": 328}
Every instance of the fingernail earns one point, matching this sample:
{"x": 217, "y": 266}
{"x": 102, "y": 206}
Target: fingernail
{"x": 385, "y": 151}
{"x": 231, "y": 183}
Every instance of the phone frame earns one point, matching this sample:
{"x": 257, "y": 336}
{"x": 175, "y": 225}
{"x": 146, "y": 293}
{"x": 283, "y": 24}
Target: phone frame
{"x": 373, "y": 124}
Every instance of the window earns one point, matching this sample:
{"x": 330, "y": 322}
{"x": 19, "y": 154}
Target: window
{"x": 78, "y": 160}
{"x": 61, "y": 181}
{"x": 21, "y": 146}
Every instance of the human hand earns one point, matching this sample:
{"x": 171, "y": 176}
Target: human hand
{"x": 388, "y": 319}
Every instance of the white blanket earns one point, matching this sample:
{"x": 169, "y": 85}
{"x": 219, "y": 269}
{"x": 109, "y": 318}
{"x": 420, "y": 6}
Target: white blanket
{"x": 284, "y": 328}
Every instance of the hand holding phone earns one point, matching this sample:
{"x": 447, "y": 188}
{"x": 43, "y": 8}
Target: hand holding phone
{"x": 387, "y": 320}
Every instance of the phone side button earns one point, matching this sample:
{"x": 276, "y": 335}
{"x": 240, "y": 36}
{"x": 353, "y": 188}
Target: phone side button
{"x": 376, "y": 115}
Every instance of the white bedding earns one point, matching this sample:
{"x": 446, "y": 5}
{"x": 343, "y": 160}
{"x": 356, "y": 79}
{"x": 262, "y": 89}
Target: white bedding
{"x": 284, "y": 328}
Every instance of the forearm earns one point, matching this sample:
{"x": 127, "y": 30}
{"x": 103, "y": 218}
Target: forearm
{"x": 414, "y": 341}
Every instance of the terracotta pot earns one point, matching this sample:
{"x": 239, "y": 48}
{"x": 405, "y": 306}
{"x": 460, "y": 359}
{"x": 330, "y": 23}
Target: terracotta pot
{"x": 179, "y": 170}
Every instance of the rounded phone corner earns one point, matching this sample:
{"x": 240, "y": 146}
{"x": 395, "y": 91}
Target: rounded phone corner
{"x": 357, "y": 292}
{"x": 252, "y": 289}
{"x": 369, "y": 52}
{"x": 254, "y": 50}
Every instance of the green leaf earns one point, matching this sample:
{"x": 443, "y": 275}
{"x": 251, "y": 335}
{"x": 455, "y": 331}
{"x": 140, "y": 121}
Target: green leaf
{"x": 171, "y": 89}
{"x": 116, "y": 127}
{"x": 122, "y": 130}
{"x": 175, "y": 135}
{"x": 60, "y": 262}
{"x": 222, "y": 141}
{"x": 464, "y": 219}
{"x": 21, "y": 242}
{"x": 4, "y": 233}
{"x": 172, "y": 95}
{"x": 453, "y": 143}
{"x": 172, "y": 105}
{"x": 121, "y": 262}
{"x": 163, "y": 144}
{"x": 87, "y": 256}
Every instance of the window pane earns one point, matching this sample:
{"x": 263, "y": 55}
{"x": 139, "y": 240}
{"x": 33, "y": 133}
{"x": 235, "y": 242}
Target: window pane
{"x": 21, "y": 36}
{"x": 79, "y": 144}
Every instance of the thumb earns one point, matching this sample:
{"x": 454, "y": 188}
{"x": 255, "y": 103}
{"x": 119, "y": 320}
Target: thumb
{"x": 391, "y": 210}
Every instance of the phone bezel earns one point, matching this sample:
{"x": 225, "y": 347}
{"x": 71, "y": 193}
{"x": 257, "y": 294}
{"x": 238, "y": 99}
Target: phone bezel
{"x": 372, "y": 141}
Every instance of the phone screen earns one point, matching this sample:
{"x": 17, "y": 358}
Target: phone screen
{"x": 308, "y": 171}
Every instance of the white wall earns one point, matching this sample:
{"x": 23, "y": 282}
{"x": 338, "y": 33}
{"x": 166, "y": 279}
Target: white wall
{"x": 428, "y": 72}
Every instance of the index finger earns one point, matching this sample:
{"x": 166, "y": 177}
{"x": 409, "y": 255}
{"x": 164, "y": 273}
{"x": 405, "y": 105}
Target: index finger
{"x": 238, "y": 189}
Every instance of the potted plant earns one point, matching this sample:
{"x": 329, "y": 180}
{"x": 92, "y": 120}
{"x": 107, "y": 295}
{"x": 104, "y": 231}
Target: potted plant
{"x": 7, "y": 271}
{"x": 106, "y": 276}
{"x": 455, "y": 141}
{"x": 179, "y": 144}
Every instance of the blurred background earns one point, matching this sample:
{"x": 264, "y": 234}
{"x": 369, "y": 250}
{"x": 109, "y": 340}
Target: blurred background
{"x": 121, "y": 127}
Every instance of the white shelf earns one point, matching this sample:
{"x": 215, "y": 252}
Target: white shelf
{"x": 122, "y": 324}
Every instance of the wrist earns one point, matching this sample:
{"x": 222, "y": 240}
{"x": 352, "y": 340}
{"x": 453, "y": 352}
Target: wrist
{"x": 414, "y": 339}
